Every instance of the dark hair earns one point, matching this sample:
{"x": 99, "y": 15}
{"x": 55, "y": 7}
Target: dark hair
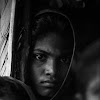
{"x": 51, "y": 21}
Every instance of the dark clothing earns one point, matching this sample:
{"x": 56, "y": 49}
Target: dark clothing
{"x": 14, "y": 89}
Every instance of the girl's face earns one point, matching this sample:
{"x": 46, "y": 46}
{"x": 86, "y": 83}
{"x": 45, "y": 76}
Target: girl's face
{"x": 50, "y": 63}
{"x": 93, "y": 90}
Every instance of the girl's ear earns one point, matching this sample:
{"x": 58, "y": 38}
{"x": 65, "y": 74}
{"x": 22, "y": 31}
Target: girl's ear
{"x": 78, "y": 96}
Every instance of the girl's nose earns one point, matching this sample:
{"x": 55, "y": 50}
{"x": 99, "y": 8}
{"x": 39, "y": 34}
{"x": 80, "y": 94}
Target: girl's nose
{"x": 50, "y": 67}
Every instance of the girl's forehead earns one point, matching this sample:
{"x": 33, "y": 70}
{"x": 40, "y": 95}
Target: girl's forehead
{"x": 53, "y": 45}
{"x": 54, "y": 41}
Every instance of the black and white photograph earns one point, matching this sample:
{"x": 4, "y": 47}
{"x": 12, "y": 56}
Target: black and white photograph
{"x": 49, "y": 50}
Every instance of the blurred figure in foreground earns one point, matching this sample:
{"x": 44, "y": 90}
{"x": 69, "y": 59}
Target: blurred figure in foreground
{"x": 12, "y": 89}
{"x": 88, "y": 74}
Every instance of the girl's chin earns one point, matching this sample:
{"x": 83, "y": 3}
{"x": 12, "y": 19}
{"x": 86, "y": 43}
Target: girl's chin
{"x": 46, "y": 92}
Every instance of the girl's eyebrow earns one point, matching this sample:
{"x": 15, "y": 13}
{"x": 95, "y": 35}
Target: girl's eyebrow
{"x": 41, "y": 51}
{"x": 65, "y": 54}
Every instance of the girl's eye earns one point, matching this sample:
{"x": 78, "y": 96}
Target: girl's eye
{"x": 65, "y": 60}
{"x": 40, "y": 57}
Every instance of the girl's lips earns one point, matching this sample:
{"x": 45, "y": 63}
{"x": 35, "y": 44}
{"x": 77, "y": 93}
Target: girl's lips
{"x": 47, "y": 83}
